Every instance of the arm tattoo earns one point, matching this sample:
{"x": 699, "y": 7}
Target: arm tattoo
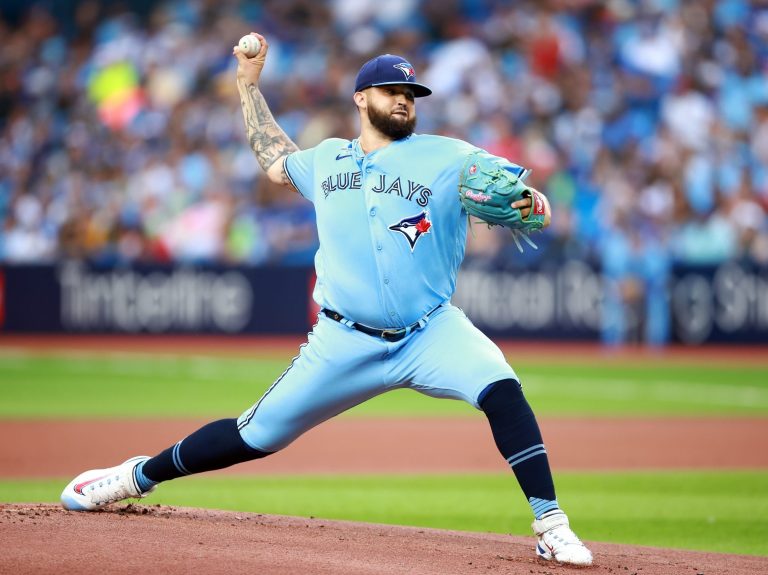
{"x": 268, "y": 140}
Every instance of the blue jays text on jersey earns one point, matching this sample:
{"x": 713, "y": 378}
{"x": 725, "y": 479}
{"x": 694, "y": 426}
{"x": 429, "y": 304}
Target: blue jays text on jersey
{"x": 405, "y": 188}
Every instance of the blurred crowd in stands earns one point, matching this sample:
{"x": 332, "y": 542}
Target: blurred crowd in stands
{"x": 645, "y": 122}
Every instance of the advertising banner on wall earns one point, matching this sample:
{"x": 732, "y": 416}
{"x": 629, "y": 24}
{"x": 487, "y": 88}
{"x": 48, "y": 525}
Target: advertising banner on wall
{"x": 557, "y": 302}
{"x": 566, "y": 301}
{"x": 73, "y": 297}
{"x": 723, "y": 304}
{"x": 728, "y": 303}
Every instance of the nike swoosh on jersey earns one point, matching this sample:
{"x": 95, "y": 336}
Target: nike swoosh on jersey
{"x": 342, "y": 156}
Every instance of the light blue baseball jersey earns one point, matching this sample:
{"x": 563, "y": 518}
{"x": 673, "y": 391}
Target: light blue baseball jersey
{"x": 392, "y": 230}
{"x": 392, "y": 234}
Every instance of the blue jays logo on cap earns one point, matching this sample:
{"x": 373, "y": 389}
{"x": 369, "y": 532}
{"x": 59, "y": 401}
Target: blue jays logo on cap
{"x": 406, "y": 69}
{"x": 388, "y": 70}
{"x": 413, "y": 228}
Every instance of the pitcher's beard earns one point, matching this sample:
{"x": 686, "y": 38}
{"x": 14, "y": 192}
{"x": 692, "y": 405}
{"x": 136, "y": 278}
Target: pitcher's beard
{"x": 393, "y": 127}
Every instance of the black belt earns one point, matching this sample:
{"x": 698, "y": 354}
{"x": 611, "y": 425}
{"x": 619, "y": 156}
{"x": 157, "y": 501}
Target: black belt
{"x": 386, "y": 334}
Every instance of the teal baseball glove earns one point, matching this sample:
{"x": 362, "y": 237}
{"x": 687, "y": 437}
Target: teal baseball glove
{"x": 487, "y": 190}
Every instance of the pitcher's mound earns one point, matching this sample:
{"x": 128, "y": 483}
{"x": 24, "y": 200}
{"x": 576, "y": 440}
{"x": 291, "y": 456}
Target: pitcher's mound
{"x": 131, "y": 539}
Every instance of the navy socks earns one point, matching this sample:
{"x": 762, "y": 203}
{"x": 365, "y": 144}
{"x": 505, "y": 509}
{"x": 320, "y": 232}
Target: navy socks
{"x": 518, "y": 438}
{"x": 213, "y": 446}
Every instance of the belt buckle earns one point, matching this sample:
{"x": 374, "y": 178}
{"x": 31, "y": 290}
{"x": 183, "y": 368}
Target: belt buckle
{"x": 387, "y": 333}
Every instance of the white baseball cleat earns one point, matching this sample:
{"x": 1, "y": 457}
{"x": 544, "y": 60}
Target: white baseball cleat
{"x": 99, "y": 487}
{"x": 557, "y": 541}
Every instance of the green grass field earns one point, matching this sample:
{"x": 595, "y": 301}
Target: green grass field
{"x": 178, "y": 386}
{"x": 713, "y": 510}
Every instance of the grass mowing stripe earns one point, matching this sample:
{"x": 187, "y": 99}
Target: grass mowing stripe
{"x": 713, "y": 511}
{"x": 207, "y": 386}
{"x": 652, "y": 370}
{"x": 151, "y": 367}
{"x": 662, "y": 390}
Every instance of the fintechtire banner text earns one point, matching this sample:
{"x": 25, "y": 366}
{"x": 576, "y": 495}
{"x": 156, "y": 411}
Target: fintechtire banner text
{"x": 566, "y": 301}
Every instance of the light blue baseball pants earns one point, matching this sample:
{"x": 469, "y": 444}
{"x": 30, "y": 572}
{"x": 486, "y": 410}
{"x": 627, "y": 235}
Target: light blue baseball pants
{"x": 340, "y": 367}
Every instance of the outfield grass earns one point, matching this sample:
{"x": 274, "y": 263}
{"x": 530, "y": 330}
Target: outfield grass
{"x": 724, "y": 512}
{"x": 145, "y": 385}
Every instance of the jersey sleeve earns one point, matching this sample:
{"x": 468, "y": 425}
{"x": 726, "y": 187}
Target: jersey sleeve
{"x": 300, "y": 167}
{"x": 505, "y": 164}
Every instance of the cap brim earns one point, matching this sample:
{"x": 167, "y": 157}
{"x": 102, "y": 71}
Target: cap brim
{"x": 419, "y": 90}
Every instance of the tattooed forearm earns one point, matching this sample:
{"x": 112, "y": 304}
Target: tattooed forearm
{"x": 268, "y": 140}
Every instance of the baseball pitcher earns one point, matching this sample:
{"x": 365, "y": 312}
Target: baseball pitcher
{"x": 392, "y": 208}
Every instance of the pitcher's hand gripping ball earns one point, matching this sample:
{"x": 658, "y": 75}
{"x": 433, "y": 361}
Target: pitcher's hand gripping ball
{"x": 249, "y": 45}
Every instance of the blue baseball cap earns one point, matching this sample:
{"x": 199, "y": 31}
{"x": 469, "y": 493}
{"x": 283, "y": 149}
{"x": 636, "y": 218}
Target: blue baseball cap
{"x": 388, "y": 70}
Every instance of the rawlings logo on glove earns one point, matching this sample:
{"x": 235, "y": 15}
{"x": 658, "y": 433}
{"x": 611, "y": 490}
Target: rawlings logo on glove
{"x": 487, "y": 190}
{"x": 480, "y": 198}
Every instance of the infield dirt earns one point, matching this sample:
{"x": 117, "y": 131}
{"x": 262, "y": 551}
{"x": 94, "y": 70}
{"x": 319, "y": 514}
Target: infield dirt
{"x": 134, "y": 539}
{"x": 380, "y": 445}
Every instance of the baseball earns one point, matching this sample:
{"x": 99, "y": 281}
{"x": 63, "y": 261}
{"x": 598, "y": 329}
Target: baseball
{"x": 249, "y": 45}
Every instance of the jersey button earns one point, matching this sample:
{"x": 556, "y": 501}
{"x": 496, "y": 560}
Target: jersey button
{"x": 386, "y": 280}
{"x": 373, "y": 211}
{"x": 378, "y": 247}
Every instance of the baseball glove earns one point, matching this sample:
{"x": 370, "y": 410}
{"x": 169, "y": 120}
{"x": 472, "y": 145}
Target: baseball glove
{"x": 488, "y": 186}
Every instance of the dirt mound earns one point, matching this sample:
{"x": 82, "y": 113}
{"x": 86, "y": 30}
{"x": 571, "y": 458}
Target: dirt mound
{"x": 128, "y": 539}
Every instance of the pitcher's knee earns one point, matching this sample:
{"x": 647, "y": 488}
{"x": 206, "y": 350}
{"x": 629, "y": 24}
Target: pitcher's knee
{"x": 269, "y": 440}
{"x": 500, "y": 393}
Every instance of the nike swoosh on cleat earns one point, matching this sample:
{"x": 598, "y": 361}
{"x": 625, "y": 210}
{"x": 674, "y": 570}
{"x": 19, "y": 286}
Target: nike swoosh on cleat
{"x": 80, "y": 486}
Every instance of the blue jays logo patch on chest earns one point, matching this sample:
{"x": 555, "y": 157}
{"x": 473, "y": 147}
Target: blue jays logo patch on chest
{"x": 413, "y": 228}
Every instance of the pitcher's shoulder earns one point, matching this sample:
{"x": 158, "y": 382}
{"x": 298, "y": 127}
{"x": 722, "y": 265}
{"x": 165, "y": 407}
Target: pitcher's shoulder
{"x": 334, "y": 144}
{"x": 445, "y": 143}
